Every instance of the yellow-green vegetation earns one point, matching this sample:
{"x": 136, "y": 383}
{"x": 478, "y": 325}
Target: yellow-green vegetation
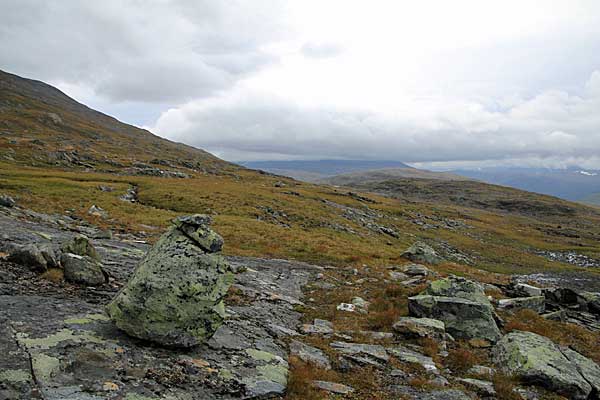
{"x": 310, "y": 228}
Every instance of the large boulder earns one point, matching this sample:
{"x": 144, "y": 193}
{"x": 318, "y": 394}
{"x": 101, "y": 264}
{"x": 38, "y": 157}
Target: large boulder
{"x": 421, "y": 252}
{"x": 411, "y": 327}
{"x": 536, "y": 359}
{"x": 83, "y": 270}
{"x": 175, "y": 296}
{"x": 463, "y": 318}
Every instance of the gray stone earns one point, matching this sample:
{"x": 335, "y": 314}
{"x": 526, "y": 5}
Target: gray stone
{"x": 484, "y": 388}
{"x": 420, "y": 327}
{"x": 416, "y": 270}
{"x": 96, "y": 211}
{"x": 535, "y": 303}
{"x": 364, "y": 354}
{"x": 28, "y": 255}
{"x": 81, "y": 246}
{"x": 413, "y": 357}
{"x": 197, "y": 228}
{"x": 455, "y": 286}
{"x": 413, "y": 281}
{"x": 525, "y": 290}
{"x": 82, "y": 270}
{"x": 421, "y": 252}
{"x": 397, "y": 276}
{"x": 586, "y": 367}
{"x": 360, "y": 303}
{"x": 333, "y": 387}
{"x": 175, "y": 296}
{"x": 481, "y": 370}
{"x": 309, "y": 354}
{"x": 463, "y": 319}
{"x": 7, "y": 201}
{"x": 536, "y": 359}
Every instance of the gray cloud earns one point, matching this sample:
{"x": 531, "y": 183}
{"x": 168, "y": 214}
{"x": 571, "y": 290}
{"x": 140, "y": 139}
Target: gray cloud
{"x": 321, "y": 50}
{"x": 167, "y": 51}
{"x": 253, "y": 126}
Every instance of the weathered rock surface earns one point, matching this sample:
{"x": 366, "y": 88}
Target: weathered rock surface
{"x": 58, "y": 344}
{"x": 175, "y": 297}
{"x": 463, "y": 319}
{"x": 309, "y": 354}
{"x": 537, "y": 360}
{"x": 416, "y": 270}
{"x": 420, "y": 327}
{"x": 7, "y": 201}
{"x": 28, "y": 255}
{"x": 535, "y": 303}
{"x": 333, "y": 387}
{"x": 421, "y": 252}
{"x": 455, "y": 286}
{"x": 83, "y": 270}
{"x": 363, "y": 354}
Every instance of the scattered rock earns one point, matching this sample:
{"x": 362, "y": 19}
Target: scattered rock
{"x": 397, "y": 276}
{"x": 455, "y": 286}
{"x": 346, "y": 307}
{"x": 82, "y": 270}
{"x": 420, "y": 327}
{"x": 309, "y": 354}
{"x": 537, "y": 360}
{"x": 421, "y": 252}
{"x": 360, "y": 303}
{"x": 535, "y": 303}
{"x": 96, "y": 211}
{"x": 481, "y": 370}
{"x": 175, "y": 297}
{"x": 484, "y": 388}
{"x": 7, "y": 201}
{"x": 416, "y": 270}
{"x": 333, "y": 387}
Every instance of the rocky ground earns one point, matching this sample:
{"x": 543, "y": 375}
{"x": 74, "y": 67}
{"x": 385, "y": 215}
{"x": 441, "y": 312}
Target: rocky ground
{"x": 58, "y": 342}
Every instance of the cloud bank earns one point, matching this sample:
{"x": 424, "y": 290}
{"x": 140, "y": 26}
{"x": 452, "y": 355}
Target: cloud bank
{"x": 431, "y": 82}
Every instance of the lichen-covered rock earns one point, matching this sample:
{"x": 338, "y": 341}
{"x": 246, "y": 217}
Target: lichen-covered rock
{"x": 537, "y": 360}
{"x": 455, "y": 286}
{"x": 82, "y": 270}
{"x": 309, "y": 354}
{"x": 525, "y": 290}
{"x": 422, "y": 253}
{"x": 463, "y": 318}
{"x": 81, "y": 246}
{"x": 535, "y": 303}
{"x": 175, "y": 296}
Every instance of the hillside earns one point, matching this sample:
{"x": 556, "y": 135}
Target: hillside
{"x": 385, "y": 174}
{"x": 315, "y": 170}
{"x": 298, "y": 250}
{"x": 40, "y": 125}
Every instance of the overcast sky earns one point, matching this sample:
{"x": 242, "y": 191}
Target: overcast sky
{"x": 445, "y": 83}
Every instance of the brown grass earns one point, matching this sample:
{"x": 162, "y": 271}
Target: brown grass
{"x": 504, "y": 386}
{"x": 461, "y": 359}
{"x": 53, "y": 275}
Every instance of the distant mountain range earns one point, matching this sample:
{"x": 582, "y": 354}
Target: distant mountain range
{"x": 575, "y": 184}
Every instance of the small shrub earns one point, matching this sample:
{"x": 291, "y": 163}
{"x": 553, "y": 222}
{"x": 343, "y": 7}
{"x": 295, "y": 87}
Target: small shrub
{"x": 461, "y": 359}
{"x": 504, "y": 387}
{"x": 53, "y": 275}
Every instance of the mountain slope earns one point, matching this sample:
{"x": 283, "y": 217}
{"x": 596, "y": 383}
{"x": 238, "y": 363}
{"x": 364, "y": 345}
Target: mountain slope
{"x": 42, "y": 125}
{"x": 315, "y": 170}
{"x": 378, "y": 175}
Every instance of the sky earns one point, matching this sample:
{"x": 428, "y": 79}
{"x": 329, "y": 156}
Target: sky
{"x": 462, "y": 83}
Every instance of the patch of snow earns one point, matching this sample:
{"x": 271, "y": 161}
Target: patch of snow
{"x": 586, "y": 173}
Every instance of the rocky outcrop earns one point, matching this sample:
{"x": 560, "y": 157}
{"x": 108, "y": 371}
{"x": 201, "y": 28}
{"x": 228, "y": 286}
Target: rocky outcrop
{"x": 309, "y": 354}
{"x": 81, "y": 246}
{"x": 420, "y": 328}
{"x": 464, "y": 319}
{"x": 175, "y": 297}
{"x": 461, "y": 304}
{"x": 421, "y": 252}
{"x": 538, "y": 360}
